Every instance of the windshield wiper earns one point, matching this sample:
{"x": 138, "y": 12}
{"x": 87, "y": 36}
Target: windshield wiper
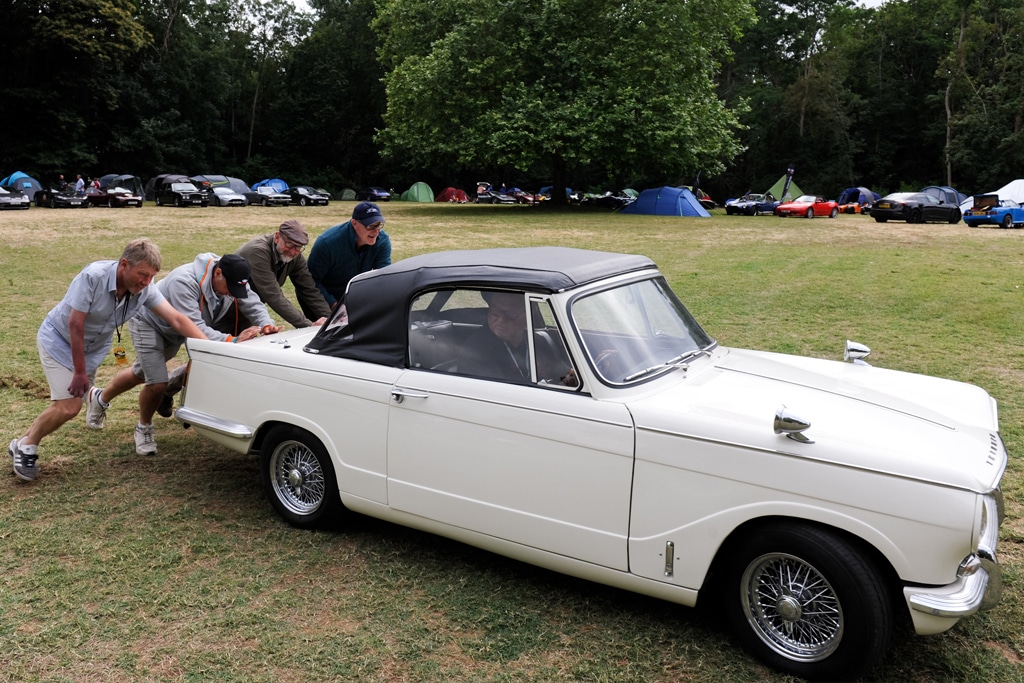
{"x": 680, "y": 361}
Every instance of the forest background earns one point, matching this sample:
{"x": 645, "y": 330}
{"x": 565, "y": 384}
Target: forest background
{"x": 593, "y": 94}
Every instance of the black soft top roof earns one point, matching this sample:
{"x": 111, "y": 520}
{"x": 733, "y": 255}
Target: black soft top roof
{"x": 378, "y": 302}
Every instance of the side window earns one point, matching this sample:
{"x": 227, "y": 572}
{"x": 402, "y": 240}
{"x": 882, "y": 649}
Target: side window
{"x": 501, "y": 335}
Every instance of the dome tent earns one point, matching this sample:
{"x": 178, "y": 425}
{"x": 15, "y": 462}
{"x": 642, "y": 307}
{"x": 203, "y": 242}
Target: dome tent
{"x": 23, "y": 182}
{"x": 667, "y": 201}
{"x": 419, "y": 192}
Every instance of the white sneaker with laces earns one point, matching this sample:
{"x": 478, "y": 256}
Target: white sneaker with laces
{"x": 145, "y": 444}
{"x": 95, "y": 413}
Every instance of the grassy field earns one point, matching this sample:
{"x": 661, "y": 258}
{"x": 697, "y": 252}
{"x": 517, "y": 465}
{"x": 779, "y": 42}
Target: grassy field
{"x": 116, "y": 567}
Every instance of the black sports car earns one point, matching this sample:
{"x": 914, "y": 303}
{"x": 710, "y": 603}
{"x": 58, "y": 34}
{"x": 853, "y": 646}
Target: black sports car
{"x": 915, "y": 207}
{"x": 61, "y": 198}
{"x": 304, "y": 195}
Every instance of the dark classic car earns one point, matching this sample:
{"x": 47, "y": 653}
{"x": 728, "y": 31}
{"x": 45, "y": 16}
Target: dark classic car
{"x": 304, "y": 195}
{"x": 915, "y": 207}
{"x": 562, "y": 407}
{"x": 113, "y": 196}
{"x": 181, "y": 194}
{"x": 752, "y": 204}
{"x": 61, "y": 198}
{"x": 13, "y": 198}
{"x": 268, "y": 196}
{"x": 373, "y": 194}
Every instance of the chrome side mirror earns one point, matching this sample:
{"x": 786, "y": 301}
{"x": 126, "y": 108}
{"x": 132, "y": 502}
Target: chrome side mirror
{"x": 792, "y": 426}
{"x": 856, "y": 353}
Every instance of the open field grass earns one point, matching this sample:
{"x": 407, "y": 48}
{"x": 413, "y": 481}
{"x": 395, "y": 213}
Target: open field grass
{"x": 115, "y": 567}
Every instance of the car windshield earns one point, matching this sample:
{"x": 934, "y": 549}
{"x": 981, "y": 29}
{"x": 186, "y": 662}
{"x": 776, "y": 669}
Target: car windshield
{"x": 183, "y": 187}
{"x": 223, "y": 190}
{"x": 806, "y": 198}
{"x": 636, "y": 331}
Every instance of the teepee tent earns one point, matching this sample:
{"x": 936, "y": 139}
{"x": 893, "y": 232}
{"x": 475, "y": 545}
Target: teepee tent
{"x": 419, "y": 192}
{"x": 779, "y": 187}
{"x": 667, "y": 201}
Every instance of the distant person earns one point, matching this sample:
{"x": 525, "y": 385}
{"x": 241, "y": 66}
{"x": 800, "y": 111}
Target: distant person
{"x": 206, "y": 290}
{"x": 79, "y": 184}
{"x": 343, "y": 251}
{"x": 78, "y": 332}
{"x": 61, "y": 183}
{"x": 277, "y": 257}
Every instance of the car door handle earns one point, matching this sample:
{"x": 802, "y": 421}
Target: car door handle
{"x": 400, "y": 395}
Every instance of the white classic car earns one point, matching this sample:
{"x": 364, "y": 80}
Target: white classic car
{"x": 562, "y": 407}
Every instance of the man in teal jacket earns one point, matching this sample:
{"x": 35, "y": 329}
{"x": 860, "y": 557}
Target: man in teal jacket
{"x": 343, "y": 251}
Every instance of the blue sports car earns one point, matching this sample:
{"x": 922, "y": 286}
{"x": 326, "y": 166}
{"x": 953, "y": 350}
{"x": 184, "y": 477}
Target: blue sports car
{"x": 752, "y": 204}
{"x": 989, "y": 209}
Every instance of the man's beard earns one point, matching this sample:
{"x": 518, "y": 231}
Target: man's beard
{"x": 284, "y": 259}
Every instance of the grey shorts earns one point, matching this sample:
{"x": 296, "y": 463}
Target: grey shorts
{"x": 152, "y": 351}
{"x": 57, "y": 376}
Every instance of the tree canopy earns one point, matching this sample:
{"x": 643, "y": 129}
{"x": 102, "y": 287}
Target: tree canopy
{"x": 624, "y": 90}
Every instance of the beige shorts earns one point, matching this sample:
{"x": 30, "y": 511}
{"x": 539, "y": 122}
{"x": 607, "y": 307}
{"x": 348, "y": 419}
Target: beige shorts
{"x": 57, "y": 376}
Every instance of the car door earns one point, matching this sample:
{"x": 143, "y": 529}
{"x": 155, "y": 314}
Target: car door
{"x": 543, "y": 466}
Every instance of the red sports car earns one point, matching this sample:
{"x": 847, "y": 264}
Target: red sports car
{"x": 808, "y": 205}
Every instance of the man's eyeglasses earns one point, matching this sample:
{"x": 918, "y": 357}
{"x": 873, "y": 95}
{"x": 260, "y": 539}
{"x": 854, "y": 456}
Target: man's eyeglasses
{"x": 372, "y": 228}
{"x": 291, "y": 244}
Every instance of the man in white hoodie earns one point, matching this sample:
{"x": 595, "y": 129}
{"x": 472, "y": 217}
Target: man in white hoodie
{"x": 210, "y": 290}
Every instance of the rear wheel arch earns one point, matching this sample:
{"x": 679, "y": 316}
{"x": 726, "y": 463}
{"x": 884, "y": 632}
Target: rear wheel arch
{"x": 298, "y": 476}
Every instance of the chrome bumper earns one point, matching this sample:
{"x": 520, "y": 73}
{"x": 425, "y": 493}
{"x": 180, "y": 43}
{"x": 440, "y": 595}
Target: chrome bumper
{"x": 977, "y": 591}
{"x": 187, "y": 417}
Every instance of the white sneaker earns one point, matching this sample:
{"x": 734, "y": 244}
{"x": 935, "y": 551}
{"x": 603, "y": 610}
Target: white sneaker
{"x": 145, "y": 444}
{"x": 95, "y": 414}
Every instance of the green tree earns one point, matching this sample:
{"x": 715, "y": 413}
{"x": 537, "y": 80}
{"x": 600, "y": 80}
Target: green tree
{"x": 985, "y": 76}
{"x": 553, "y": 87}
{"x": 331, "y": 100}
{"x": 68, "y": 62}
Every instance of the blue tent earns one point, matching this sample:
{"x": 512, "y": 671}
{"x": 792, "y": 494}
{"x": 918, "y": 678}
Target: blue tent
{"x": 23, "y": 182}
{"x": 276, "y": 183}
{"x": 858, "y": 195}
{"x": 667, "y": 201}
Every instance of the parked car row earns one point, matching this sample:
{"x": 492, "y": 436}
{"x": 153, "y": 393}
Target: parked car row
{"x": 930, "y": 205}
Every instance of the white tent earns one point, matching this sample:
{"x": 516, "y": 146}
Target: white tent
{"x": 1013, "y": 190}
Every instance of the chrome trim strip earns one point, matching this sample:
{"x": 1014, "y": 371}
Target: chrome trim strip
{"x": 789, "y": 454}
{"x": 187, "y": 416}
{"x": 725, "y": 368}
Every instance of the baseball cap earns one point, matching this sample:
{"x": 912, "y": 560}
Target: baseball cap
{"x": 236, "y": 271}
{"x": 367, "y": 213}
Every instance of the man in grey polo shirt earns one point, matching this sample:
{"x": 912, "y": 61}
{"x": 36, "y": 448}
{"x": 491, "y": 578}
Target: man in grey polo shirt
{"x": 209, "y": 290}
{"x": 78, "y": 332}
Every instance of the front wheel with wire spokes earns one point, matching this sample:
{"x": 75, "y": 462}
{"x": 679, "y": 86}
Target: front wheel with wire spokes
{"x": 806, "y": 601}
{"x": 299, "y": 478}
